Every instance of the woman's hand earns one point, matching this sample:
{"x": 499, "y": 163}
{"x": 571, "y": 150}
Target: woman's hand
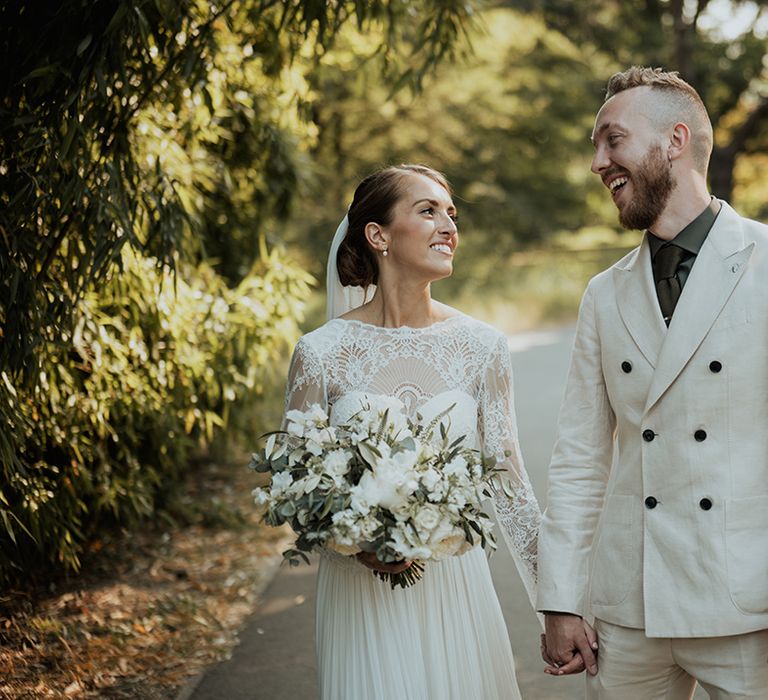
{"x": 369, "y": 559}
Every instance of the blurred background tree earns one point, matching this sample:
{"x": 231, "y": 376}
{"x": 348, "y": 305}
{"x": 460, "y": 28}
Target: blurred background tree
{"x": 718, "y": 46}
{"x": 171, "y": 172}
{"x": 510, "y": 125}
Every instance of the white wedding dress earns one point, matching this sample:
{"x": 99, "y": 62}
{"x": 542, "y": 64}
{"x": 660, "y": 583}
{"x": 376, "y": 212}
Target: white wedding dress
{"x": 443, "y": 638}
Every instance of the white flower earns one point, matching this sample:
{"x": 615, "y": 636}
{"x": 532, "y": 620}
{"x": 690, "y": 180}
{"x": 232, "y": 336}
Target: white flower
{"x": 400, "y": 467}
{"x": 359, "y": 500}
{"x": 317, "y": 414}
{"x": 450, "y": 545}
{"x": 391, "y": 482}
{"x": 426, "y": 519}
{"x": 372, "y": 412}
{"x": 457, "y": 498}
{"x": 430, "y": 479}
{"x": 346, "y": 533}
{"x": 296, "y": 416}
{"x": 296, "y": 429}
{"x": 405, "y": 547}
{"x": 314, "y": 441}
{"x": 457, "y": 467}
{"x": 281, "y": 481}
{"x": 437, "y": 493}
{"x": 299, "y": 421}
{"x": 261, "y": 499}
{"x": 336, "y": 463}
{"x": 368, "y": 526}
{"x": 370, "y": 492}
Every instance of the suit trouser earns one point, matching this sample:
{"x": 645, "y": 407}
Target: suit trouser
{"x": 632, "y": 666}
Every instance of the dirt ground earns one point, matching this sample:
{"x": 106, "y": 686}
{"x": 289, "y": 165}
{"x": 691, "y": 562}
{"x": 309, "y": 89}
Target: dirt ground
{"x": 150, "y": 609}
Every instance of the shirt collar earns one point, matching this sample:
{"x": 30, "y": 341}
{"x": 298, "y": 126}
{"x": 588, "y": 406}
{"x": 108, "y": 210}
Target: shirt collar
{"x": 692, "y": 237}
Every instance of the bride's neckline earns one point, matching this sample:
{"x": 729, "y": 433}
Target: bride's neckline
{"x": 402, "y": 329}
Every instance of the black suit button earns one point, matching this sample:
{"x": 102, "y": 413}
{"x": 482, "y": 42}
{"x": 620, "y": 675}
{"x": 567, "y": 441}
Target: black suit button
{"x": 651, "y": 502}
{"x": 705, "y": 503}
{"x": 700, "y": 435}
{"x": 648, "y": 435}
{"x": 626, "y": 366}
{"x": 715, "y": 366}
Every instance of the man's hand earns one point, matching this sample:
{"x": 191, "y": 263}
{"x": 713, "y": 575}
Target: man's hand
{"x": 569, "y": 645}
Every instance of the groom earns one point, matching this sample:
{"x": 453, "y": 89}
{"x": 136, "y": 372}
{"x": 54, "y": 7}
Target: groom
{"x": 657, "y": 521}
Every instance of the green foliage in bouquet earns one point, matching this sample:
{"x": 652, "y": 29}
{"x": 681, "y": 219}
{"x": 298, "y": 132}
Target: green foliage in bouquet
{"x": 380, "y": 483}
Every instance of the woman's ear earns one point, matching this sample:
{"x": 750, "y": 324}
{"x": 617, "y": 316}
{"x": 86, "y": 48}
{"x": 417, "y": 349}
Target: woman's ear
{"x": 377, "y": 237}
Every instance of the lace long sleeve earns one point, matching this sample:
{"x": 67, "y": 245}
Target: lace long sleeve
{"x": 306, "y": 383}
{"x": 519, "y": 516}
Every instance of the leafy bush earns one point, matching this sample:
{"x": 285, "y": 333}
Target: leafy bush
{"x": 150, "y": 374}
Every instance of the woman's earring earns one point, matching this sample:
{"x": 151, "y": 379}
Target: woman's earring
{"x": 385, "y": 252}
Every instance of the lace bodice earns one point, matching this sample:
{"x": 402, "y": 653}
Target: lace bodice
{"x": 456, "y": 361}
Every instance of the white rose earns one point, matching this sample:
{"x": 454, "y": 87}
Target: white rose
{"x": 404, "y": 547}
{"x": 336, "y": 463}
{"x": 389, "y": 480}
{"x": 449, "y": 546}
{"x": 426, "y": 520}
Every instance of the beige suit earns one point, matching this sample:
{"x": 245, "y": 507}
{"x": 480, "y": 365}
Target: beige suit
{"x": 657, "y": 511}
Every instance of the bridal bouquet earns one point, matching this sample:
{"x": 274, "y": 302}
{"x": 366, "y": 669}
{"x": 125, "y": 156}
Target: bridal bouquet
{"x": 379, "y": 483}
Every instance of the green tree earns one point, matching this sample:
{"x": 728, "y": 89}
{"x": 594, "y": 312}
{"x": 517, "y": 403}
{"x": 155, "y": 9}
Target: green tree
{"x": 147, "y": 150}
{"x": 508, "y": 122}
{"x": 82, "y": 80}
{"x": 730, "y": 72}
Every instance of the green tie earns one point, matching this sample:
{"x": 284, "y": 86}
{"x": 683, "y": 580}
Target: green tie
{"x": 668, "y": 287}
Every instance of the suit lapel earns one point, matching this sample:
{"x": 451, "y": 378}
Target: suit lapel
{"x": 719, "y": 266}
{"x": 637, "y": 302}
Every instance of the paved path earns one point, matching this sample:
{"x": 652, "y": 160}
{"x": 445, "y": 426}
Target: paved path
{"x": 275, "y": 659}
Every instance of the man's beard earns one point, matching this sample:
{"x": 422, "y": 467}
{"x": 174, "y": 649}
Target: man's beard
{"x": 652, "y": 183}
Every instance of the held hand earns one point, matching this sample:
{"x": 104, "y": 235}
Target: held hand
{"x": 569, "y": 646}
{"x": 555, "y": 668}
{"x": 369, "y": 559}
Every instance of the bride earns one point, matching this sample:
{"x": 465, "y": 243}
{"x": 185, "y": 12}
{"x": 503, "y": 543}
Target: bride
{"x": 444, "y": 637}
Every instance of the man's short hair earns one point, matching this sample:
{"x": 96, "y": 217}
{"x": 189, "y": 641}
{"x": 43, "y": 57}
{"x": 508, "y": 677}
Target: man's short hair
{"x": 679, "y": 103}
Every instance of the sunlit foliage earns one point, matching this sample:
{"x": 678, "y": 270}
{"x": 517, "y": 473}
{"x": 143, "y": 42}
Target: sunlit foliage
{"x": 148, "y": 148}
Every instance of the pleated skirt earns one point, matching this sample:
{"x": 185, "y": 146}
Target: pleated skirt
{"x": 443, "y": 638}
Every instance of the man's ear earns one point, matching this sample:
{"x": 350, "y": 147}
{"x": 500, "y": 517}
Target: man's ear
{"x": 376, "y": 236}
{"x": 679, "y": 141}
